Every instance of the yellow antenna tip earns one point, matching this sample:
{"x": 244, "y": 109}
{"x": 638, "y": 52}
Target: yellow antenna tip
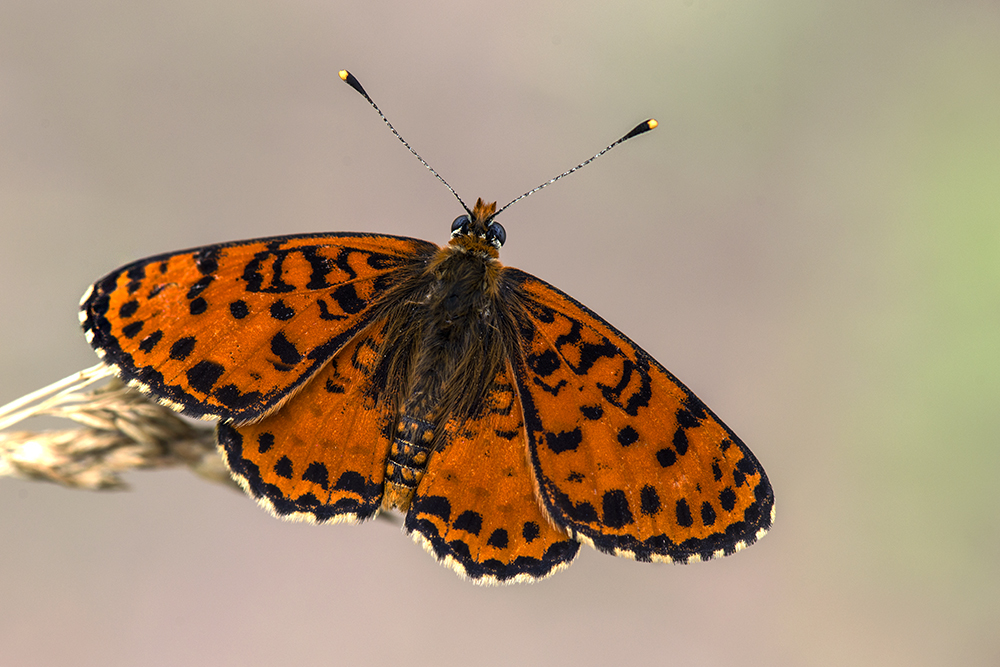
{"x": 353, "y": 83}
{"x": 644, "y": 126}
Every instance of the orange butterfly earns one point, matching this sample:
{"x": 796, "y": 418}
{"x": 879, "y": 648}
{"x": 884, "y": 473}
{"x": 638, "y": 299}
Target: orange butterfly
{"x": 353, "y": 373}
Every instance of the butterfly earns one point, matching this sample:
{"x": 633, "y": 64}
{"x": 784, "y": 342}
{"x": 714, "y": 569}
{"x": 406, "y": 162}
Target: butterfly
{"x": 357, "y": 373}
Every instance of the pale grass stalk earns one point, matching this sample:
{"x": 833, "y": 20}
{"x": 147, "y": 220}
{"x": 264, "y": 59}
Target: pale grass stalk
{"x": 118, "y": 430}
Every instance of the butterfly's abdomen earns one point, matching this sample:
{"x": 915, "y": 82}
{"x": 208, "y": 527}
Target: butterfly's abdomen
{"x": 408, "y": 455}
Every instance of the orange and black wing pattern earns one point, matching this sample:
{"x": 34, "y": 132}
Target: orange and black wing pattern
{"x": 476, "y": 509}
{"x": 625, "y": 457}
{"x": 321, "y": 457}
{"x": 232, "y": 330}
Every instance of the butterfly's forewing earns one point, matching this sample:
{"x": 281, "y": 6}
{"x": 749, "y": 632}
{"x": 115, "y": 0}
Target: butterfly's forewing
{"x": 625, "y": 456}
{"x": 476, "y": 508}
{"x": 321, "y": 457}
{"x": 231, "y": 330}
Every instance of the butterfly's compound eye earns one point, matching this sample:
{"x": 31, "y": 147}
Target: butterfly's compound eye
{"x": 461, "y": 223}
{"x": 497, "y": 233}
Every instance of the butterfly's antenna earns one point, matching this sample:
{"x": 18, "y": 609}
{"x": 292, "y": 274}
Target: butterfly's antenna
{"x": 644, "y": 126}
{"x": 356, "y": 85}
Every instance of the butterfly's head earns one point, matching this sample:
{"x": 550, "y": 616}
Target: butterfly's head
{"x": 479, "y": 227}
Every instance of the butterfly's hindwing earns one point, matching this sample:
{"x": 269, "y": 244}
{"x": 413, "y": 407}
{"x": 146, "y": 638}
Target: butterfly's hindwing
{"x": 625, "y": 456}
{"x": 231, "y": 330}
{"x": 476, "y": 508}
{"x": 321, "y": 457}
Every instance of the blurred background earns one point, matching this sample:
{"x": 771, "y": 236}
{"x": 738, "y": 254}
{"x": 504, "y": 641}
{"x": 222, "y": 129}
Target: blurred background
{"x": 810, "y": 240}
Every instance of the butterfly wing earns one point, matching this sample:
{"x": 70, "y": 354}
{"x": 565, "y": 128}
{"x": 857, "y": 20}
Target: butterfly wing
{"x": 625, "y": 456}
{"x": 321, "y": 457}
{"x": 231, "y": 330}
{"x": 476, "y": 508}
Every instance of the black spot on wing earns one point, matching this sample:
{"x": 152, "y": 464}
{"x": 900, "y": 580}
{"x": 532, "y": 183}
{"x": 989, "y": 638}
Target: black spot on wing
{"x": 746, "y": 466}
{"x": 351, "y": 481}
{"x": 727, "y": 498}
{"x": 498, "y": 539}
{"x": 317, "y": 473}
{"x": 308, "y": 501}
{"x": 565, "y": 441}
{"x": 666, "y": 457}
{"x": 283, "y": 468}
{"x": 198, "y": 306}
{"x": 136, "y": 274}
{"x": 239, "y": 309}
{"x": 616, "y": 510}
{"x": 650, "y": 500}
{"x": 199, "y": 286}
{"x": 707, "y": 514}
{"x": 683, "y": 513}
{"x": 207, "y": 260}
{"x": 132, "y": 329}
{"x": 544, "y": 364}
{"x": 461, "y": 551}
{"x": 627, "y": 436}
{"x": 435, "y": 506}
{"x": 680, "y": 441}
{"x": 281, "y": 311}
{"x": 231, "y": 397}
{"x": 285, "y": 350}
{"x": 685, "y": 419}
{"x": 203, "y": 375}
{"x": 591, "y": 353}
{"x": 347, "y": 298}
{"x": 149, "y": 342}
{"x": 469, "y": 521}
{"x": 320, "y": 268}
{"x": 182, "y": 348}
{"x": 530, "y": 531}
{"x": 128, "y": 309}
